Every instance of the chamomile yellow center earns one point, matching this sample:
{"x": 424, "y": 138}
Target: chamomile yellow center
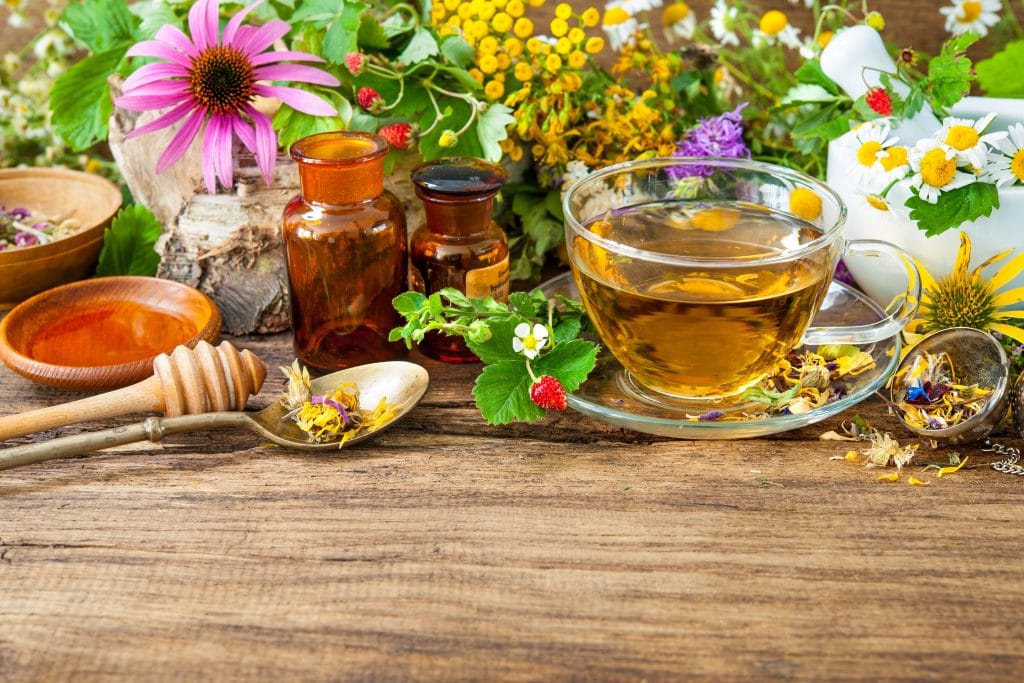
{"x": 713, "y": 220}
{"x": 805, "y": 203}
{"x": 675, "y": 13}
{"x": 824, "y": 38}
{"x": 897, "y": 157}
{"x": 877, "y": 202}
{"x": 868, "y": 152}
{"x": 971, "y": 11}
{"x": 772, "y": 22}
{"x": 962, "y": 137}
{"x": 1017, "y": 165}
{"x": 936, "y": 169}
{"x": 615, "y": 16}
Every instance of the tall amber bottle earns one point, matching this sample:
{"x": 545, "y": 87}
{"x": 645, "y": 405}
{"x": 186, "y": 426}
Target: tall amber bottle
{"x": 460, "y": 245}
{"x": 345, "y": 242}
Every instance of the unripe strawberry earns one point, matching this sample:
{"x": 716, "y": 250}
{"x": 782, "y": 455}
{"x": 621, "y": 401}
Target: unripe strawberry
{"x": 355, "y": 62}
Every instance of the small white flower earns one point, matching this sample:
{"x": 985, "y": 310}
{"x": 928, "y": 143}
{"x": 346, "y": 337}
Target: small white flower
{"x": 968, "y": 139}
{"x": 619, "y": 25}
{"x": 574, "y": 170}
{"x": 870, "y": 141}
{"x": 807, "y": 3}
{"x": 635, "y": 7}
{"x": 1007, "y": 167}
{"x": 528, "y": 342}
{"x": 679, "y": 21}
{"x": 935, "y": 171}
{"x": 723, "y": 23}
{"x": 971, "y": 15}
{"x": 773, "y": 28}
{"x": 17, "y": 20}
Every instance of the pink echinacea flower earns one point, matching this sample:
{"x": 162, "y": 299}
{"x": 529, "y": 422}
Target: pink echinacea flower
{"x": 213, "y": 79}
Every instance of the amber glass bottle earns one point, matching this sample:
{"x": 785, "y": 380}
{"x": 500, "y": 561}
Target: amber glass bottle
{"x": 345, "y": 242}
{"x": 460, "y": 245}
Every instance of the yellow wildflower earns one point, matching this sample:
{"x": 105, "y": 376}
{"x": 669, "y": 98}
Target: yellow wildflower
{"x": 515, "y": 8}
{"x": 559, "y": 27}
{"x": 488, "y": 64}
{"x": 591, "y": 17}
{"x": 577, "y": 59}
{"x": 513, "y": 47}
{"x": 501, "y": 22}
{"x": 773, "y": 22}
{"x": 523, "y": 27}
{"x": 805, "y": 203}
{"x": 494, "y": 89}
{"x": 563, "y": 46}
{"x": 552, "y": 63}
{"x": 487, "y": 46}
{"x": 594, "y": 45}
{"x": 523, "y": 71}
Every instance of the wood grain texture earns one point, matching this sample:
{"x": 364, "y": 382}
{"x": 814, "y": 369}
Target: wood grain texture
{"x": 451, "y": 550}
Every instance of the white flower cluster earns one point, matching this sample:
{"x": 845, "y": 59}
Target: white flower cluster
{"x": 961, "y": 152}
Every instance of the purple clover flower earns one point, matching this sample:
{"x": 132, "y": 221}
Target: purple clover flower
{"x": 713, "y": 136}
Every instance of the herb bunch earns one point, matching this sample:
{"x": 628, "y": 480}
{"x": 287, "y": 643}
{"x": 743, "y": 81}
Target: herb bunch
{"x": 522, "y": 372}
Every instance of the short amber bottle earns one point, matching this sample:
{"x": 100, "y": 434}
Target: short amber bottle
{"x": 345, "y": 242}
{"x": 460, "y": 245}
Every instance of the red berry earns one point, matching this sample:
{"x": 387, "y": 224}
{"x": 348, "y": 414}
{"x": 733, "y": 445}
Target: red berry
{"x": 549, "y": 394}
{"x": 355, "y": 61}
{"x": 398, "y": 135}
{"x": 880, "y": 101}
{"x": 368, "y": 98}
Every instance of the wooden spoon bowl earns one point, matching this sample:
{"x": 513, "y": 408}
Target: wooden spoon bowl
{"x": 102, "y": 334}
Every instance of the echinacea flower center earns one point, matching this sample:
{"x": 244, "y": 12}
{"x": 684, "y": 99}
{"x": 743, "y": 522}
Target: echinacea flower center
{"x": 971, "y": 11}
{"x": 897, "y": 156}
{"x": 221, "y": 79}
{"x": 936, "y": 169}
{"x": 773, "y": 22}
{"x": 960, "y": 302}
{"x": 961, "y": 137}
{"x": 1017, "y": 165}
{"x": 868, "y": 152}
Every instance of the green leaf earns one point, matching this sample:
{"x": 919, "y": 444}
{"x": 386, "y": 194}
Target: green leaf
{"x": 567, "y": 330}
{"x": 458, "y": 51}
{"x": 492, "y": 129}
{"x": 397, "y": 24}
{"x": 421, "y": 46}
{"x": 950, "y": 73}
{"x": 315, "y": 11}
{"x": 371, "y": 34}
{"x": 806, "y": 92}
{"x": 499, "y": 347}
{"x": 343, "y": 35}
{"x": 152, "y": 15}
{"x": 954, "y": 208}
{"x": 502, "y": 393}
{"x": 100, "y": 25}
{"x": 1000, "y": 75}
{"x": 80, "y": 99}
{"x": 528, "y": 305}
{"x": 570, "y": 363}
{"x": 810, "y": 72}
{"x": 128, "y": 243}
{"x": 292, "y": 125}
{"x": 409, "y": 303}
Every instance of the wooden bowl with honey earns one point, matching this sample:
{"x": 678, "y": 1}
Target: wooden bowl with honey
{"x": 101, "y": 334}
{"x": 54, "y": 193}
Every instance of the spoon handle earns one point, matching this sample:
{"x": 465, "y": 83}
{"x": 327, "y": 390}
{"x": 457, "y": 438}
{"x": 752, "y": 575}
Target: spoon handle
{"x": 152, "y": 429}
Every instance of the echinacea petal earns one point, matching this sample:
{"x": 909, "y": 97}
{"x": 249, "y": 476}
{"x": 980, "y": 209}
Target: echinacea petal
{"x": 295, "y": 72}
{"x": 203, "y": 23}
{"x": 168, "y": 119}
{"x": 181, "y": 140}
{"x": 161, "y": 88}
{"x": 1011, "y": 331}
{"x": 963, "y": 258}
{"x": 1009, "y": 297}
{"x": 1007, "y": 272}
{"x": 272, "y": 57}
{"x": 297, "y": 99}
{"x": 151, "y": 73}
{"x": 222, "y": 150}
{"x": 266, "y": 144}
{"x": 231, "y": 30}
{"x": 147, "y": 102}
{"x": 244, "y": 132}
{"x": 152, "y": 48}
{"x": 210, "y": 157}
{"x": 263, "y": 37}
{"x": 173, "y": 36}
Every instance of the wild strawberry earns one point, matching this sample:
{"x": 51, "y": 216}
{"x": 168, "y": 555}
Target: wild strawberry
{"x": 549, "y": 394}
{"x": 355, "y": 61}
{"x": 369, "y": 99}
{"x": 398, "y": 135}
{"x": 880, "y": 101}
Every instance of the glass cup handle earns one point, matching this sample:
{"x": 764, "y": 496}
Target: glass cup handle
{"x": 898, "y": 313}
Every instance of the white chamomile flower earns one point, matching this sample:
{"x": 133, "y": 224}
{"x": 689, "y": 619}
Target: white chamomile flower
{"x": 895, "y": 162}
{"x": 619, "y": 25}
{"x": 723, "y": 23}
{"x": 1008, "y": 168}
{"x": 807, "y": 3}
{"x": 529, "y": 341}
{"x": 774, "y": 27}
{"x": 871, "y": 140}
{"x": 968, "y": 139}
{"x": 971, "y": 15}
{"x": 679, "y": 20}
{"x": 935, "y": 171}
{"x": 635, "y": 7}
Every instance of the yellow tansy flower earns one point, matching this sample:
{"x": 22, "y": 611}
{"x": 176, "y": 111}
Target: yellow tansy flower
{"x": 523, "y": 72}
{"x": 563, "y": 10}
{"x": 515, "y": 8}
{"x": 591, "y": 17}
{"x": 501, "y": 22}
{"x": 494, "y": 89}
{"x": 523, "y": 27}
{"x": 577, "y": 59}
{"x": 563, "y": 46}
{"x": 552, "y": 63}
{"x": 559, "y": 27}
{"x": 594, "y": 45}
{"x": 513, "y": 47}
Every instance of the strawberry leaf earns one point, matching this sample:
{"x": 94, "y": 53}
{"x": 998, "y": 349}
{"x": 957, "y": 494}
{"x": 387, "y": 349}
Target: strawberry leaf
{"x": 502, "y": 393}
{"x": 954, "y": 208}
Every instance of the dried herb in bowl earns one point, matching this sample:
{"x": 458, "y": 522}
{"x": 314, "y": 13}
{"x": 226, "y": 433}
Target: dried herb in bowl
{"x": 20, "y": 227}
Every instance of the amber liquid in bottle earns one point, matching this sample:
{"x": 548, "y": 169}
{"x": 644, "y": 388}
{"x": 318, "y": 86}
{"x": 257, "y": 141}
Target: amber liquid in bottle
{"x": 460, "y": 245}
{"x": 345, "y": 242}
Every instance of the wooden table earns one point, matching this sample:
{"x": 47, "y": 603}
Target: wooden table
{"x": 450, "y": 550}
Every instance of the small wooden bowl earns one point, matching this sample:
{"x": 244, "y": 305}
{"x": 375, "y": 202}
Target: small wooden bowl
{"x": 104, "y": 333}
{"x": 54, "y": 192}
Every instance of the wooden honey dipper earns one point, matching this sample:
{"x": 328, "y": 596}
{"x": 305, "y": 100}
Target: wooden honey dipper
{"x": 186, "y": 382}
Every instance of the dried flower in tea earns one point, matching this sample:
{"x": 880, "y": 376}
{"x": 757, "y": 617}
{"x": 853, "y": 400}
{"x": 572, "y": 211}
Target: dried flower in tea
{"x": 932, "y": 398}
{"x": 334, "y": 416}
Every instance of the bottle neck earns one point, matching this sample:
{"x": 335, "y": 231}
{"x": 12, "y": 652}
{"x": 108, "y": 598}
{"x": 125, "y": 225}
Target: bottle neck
{"x": 457, "y": 217}
{"x": 341, "y": 182}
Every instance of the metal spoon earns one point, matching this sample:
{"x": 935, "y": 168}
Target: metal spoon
{"x": 403, "y": 384}
{"x": 978, "y": 359}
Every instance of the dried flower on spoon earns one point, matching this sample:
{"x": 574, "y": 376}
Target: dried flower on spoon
{"x": 334, "y": 416}
{"x": 931, "y": 396}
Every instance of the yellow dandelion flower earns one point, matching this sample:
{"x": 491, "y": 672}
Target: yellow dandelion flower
{"x": 577, "y": 59}
{"x": 805, "y": 203}
{"x": 523, "y": 27}
{"x": 559, "y": 27}
{"x": 966, "y": 299}
{"x": 494, "y": 89}
{"x": 523, "y": 72}
{"x": 591, "y": 17}
{"x": 594, "y": 45}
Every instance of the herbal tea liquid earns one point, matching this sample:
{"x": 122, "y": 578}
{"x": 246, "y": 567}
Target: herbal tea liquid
{"x": 699, "y": 331}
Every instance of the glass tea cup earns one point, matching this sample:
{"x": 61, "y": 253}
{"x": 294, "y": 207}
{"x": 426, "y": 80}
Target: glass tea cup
{"x": 700, "y": 275}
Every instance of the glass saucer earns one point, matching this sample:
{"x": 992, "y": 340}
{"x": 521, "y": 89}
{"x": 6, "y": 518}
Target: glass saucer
{"x": 610, "y": 395}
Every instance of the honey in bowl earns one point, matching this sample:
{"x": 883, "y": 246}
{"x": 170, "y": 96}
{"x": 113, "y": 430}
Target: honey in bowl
{"x": 103, "y": 333}
{"x": 716, "y": 325}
